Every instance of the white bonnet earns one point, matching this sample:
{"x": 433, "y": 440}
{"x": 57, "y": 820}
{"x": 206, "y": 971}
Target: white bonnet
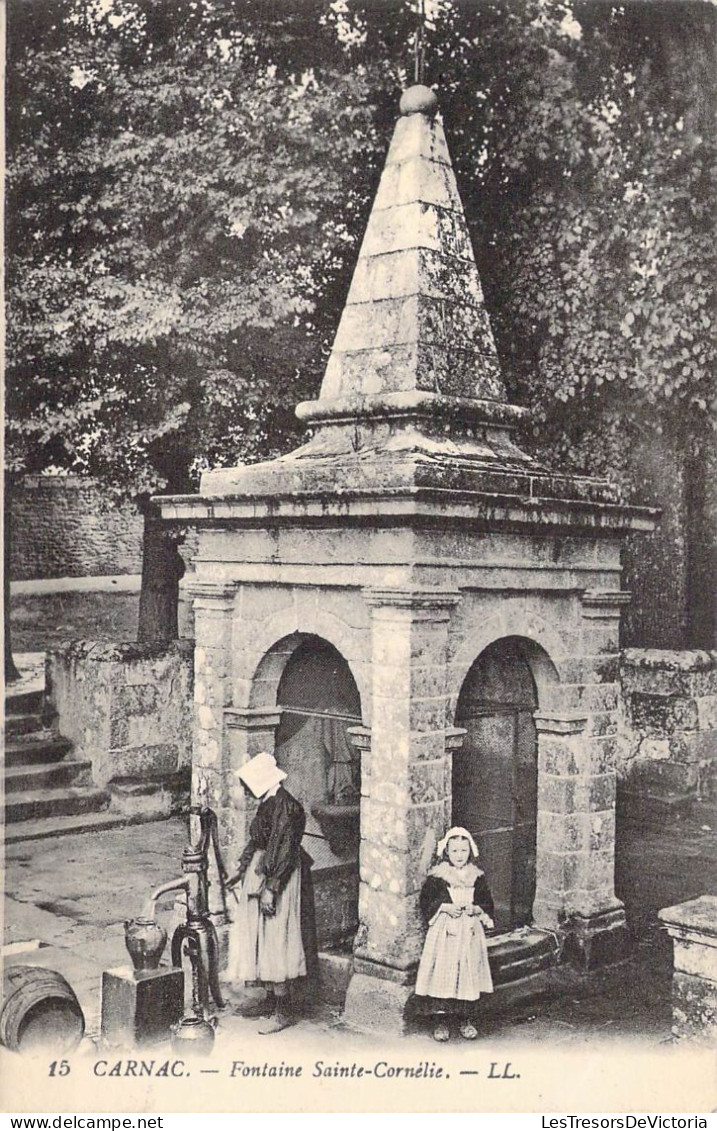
{"x": 261, "y": 773}
{"x": 457, "y": 831}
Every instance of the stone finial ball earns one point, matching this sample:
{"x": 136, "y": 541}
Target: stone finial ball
{"x": 418, "y": 100}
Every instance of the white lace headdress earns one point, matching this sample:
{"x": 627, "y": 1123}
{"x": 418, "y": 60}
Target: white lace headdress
{"x": 457, "y": 831}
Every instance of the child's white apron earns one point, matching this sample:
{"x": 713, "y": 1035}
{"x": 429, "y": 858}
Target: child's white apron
{"x": 454, "y": 963}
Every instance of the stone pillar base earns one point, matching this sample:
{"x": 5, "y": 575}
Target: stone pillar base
{"x": 376, "y": 999}
{"x": 140, "y": 1008}
{"x": 596, "y": 940}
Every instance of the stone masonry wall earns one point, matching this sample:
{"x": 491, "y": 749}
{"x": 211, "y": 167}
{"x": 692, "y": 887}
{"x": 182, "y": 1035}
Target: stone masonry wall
{"x": 410, "y": 646}
{"x": 692, "y": 927}
{"x": 668, "y": 728}
{"x": 127, "y": 707}
{"x": 68, "y": 527}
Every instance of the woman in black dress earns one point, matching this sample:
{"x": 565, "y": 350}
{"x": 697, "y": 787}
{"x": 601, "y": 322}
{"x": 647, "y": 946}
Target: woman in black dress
{"x": 272, "y": 941}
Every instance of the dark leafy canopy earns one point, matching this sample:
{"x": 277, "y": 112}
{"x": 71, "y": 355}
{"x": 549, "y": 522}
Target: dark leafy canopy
{"x": 188, "y": 180}
{"x": 177, "y": 203}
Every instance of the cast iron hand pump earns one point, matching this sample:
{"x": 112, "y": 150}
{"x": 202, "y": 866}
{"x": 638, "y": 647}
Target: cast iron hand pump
{"x": 198, "y": 933}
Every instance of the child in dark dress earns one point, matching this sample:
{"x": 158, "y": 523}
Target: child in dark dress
{"x": 457, "y": 905}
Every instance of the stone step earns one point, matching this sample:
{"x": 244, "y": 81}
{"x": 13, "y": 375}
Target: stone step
{"x": 48, "y": 774}
{"x": 510, "y": 1000}
{"x": 24, "y": 702}
{"x": 522, "y": 953}
{"x": 45, "y": 827}
{"x": 43, "y": 732}
{"x": 28, "y": 723}
{"x": 140, "y": 798}
{"x": 334, "y": 975}
{"x": 64, "y": 802}
{"x": 27, "y": 750}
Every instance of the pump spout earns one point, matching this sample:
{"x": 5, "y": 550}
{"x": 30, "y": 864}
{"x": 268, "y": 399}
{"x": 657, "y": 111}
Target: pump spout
{"x": 182, "y": 884}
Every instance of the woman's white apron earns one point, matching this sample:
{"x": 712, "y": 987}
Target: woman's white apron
{"x": 266, "y": 948}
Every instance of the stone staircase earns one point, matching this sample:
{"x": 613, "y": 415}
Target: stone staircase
{"x": 47, "y": 791}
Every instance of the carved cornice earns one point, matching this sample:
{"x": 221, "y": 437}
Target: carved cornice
{"x": 212, "y": 594}
{"x": 560, "y": 722}
{"x": 252, "y": 718}
{"x": 604, "y": 603}
{"x": 439, "y": 601}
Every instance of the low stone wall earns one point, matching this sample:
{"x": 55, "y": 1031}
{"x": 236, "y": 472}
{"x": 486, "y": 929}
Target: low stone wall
{"x": 128, "y": 708}
{"x": 668, "y": 730}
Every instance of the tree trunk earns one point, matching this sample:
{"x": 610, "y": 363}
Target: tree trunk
{"x": 11, "y": 672}
{"x": 701, "y": 522}
{"x": 162, "y": 570}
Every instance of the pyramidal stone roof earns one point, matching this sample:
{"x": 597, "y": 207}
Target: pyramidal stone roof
{"x": 413, "y": 374}
{"x": 415, "y": 319}
{"x": 412, "y": 404}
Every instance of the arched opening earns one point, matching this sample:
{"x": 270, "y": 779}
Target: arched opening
{"x": 495, "y": 773}
{"x": 319, "y": 701}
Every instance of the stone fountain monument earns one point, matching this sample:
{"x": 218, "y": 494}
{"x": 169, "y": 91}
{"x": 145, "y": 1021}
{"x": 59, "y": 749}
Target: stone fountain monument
{"x": 469, "y": 597}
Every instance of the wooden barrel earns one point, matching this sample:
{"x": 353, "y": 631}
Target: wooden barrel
{"x": 39, "y": 1011}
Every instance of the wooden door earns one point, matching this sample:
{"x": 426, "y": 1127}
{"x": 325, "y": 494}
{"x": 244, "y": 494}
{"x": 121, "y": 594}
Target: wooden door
{"x": 495, "y": 780}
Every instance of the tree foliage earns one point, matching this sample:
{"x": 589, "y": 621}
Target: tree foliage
{"x": 584, "y": 142}
{"x": 188, "y": 181}
{"x": 177, "y": 202}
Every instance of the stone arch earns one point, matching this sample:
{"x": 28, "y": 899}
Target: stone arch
{"x": 495, "y": 771}
{"x": 307, "y": 685}
{"x": 545, "y": 649}
{"x": 275, "y": 640}
{"x": 267, "y": 676}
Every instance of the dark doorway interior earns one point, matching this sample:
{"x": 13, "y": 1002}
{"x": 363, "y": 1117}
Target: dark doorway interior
{"x": 495, "y": 775}
{"x": 319, "y": 701}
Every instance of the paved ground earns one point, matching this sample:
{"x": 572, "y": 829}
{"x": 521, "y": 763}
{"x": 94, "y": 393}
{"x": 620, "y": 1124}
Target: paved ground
{"x": 67, "y": 899}
{"x": 72, "y": 894}
{"x": 601, "y": 1045}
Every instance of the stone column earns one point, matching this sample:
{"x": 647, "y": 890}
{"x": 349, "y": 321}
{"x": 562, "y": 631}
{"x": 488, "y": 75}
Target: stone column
{"x": 406, "y": 797}
{"x": 213, "y": 618}
{"x": 214, "y": 614}
{"x": 575, "y": 882}
{"x": 360, "y": 738}
{"x": 692, "y": 926}
{"x": 249, "y": 731}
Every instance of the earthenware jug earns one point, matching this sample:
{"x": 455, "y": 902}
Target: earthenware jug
{"x": 192, "y": 1036}
{"x": 145, "y": 940}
